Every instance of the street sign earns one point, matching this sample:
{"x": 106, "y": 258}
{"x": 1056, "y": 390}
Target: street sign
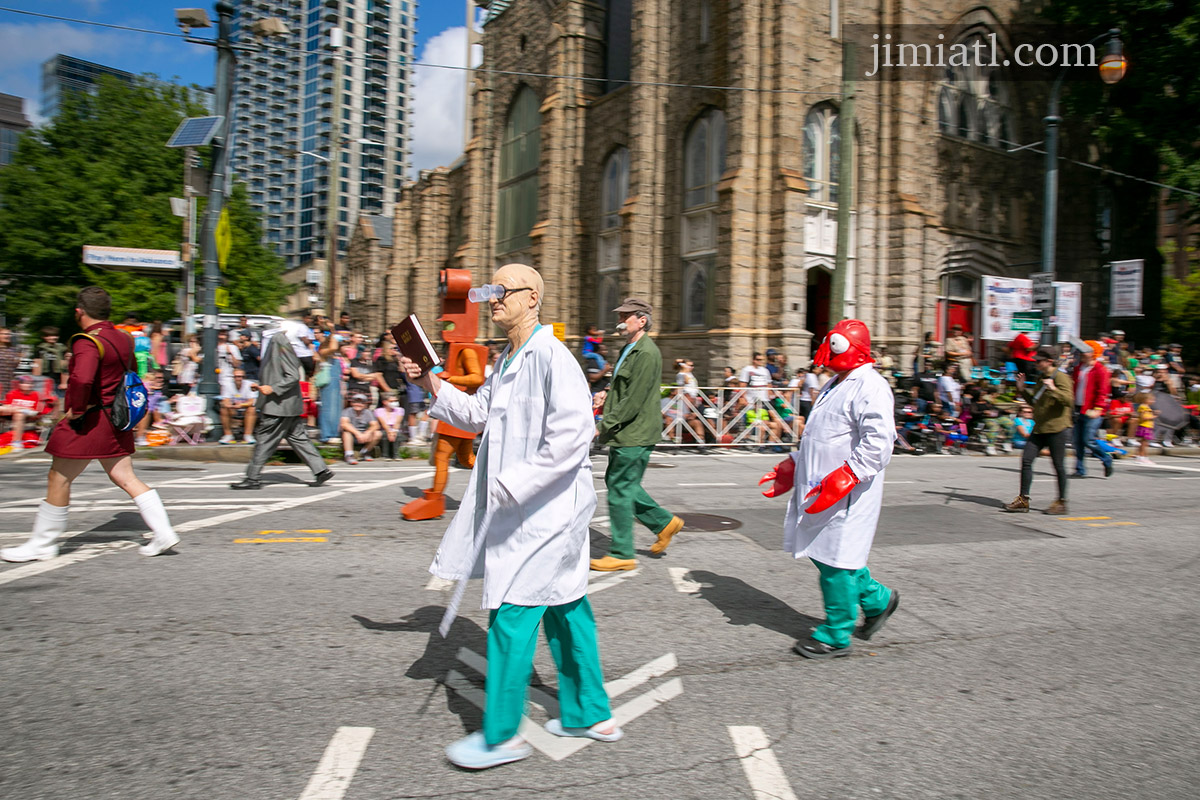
{"x": 560, "y": 331}
{"x": 159, "y": 263}
{"x": 1043, "y": 291}
{"x": 221, "y": 297}
{"x": 224, "y": 238}
{"x": 1027, "y": 321}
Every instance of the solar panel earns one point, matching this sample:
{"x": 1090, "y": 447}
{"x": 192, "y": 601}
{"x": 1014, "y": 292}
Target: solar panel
{"x": 195, "y": 132}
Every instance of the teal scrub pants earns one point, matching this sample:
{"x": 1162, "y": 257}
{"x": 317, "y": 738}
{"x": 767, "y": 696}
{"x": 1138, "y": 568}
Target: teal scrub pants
{"x": 627, "y": 499}
{"x": 845, "y": 590}
{"x": 512, "y": 639}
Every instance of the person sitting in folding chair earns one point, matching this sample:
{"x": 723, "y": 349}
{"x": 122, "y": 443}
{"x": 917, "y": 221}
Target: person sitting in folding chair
{"x": 23, "y": 406}
{"x": 189, "y": 421}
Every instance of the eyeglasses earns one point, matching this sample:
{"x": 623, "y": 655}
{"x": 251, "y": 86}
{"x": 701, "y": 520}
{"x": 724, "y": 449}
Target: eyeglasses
{"x": 493, "y": 291}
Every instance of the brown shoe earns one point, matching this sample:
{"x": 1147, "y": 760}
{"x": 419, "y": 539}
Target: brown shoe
{"x": 665, "y": 535}
{"x": 1018, "y": 506}
{"x": 613, "y": 564}
{"x": 1058, "y": 507}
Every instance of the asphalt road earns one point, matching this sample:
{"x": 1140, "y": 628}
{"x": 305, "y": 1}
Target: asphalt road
{"x": 289, "y": 648}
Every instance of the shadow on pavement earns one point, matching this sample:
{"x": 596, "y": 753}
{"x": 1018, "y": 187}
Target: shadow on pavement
{"x": 742, "y": 604}
{"x": 990, "y": 502}
{"x": 441, "y": 656}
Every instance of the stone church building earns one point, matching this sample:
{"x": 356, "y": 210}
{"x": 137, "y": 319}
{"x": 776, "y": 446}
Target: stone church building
{"x": 605, "y": 152}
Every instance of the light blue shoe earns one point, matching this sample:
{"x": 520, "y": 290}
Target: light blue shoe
{"x": 473, "y": 752}
{"x": 556, "y": 727}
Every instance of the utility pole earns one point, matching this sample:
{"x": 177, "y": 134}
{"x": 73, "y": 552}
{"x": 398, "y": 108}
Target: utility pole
{"x": 845, "y": 177}
{"x": 333, "y": 194}
{"x": 189, "y": 243}
{"x": 209, "y": 386}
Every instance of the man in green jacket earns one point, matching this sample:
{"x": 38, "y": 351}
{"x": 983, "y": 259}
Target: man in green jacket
{"x": 1053, "y": 399}
{"x": 631, "y": 425}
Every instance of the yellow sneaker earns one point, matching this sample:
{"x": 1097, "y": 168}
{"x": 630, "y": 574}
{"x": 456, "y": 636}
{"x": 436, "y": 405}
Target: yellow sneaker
{"x": 613, "y": 564}
{"x": 666, "y": 534}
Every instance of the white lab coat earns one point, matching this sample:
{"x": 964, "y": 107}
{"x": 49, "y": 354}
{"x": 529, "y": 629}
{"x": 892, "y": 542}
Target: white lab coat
{"x": 852, "y": 422}
{"x": 536, "y": 419}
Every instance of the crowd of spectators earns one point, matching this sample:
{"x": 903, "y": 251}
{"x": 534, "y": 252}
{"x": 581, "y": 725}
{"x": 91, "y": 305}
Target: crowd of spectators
{"x": 357, "y": 398}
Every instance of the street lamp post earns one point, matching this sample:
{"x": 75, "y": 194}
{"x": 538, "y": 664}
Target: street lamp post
{"x": 209, "y": 385}
{"x": 1112, "y": 69}
{"x": 187, "y": 19}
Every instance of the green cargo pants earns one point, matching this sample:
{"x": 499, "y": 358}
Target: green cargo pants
{"x": 627, "y": 499}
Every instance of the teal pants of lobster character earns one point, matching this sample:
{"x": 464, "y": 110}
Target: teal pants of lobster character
{"x": 512, "y": 639}
{"x": 845, "y": 591}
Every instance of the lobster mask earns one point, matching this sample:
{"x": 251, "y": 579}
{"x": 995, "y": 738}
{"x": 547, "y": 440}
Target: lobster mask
{"x": 847, "y": 346}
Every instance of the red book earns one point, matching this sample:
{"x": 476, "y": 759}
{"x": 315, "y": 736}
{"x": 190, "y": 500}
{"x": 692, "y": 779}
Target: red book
{"x": 414, "y": 344}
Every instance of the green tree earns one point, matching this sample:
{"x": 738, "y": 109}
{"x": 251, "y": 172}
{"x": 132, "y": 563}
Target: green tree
{"x": 254, "y": 274}
{"x": 1155, "y": 109}
{"x": 1181, "y": 313}
{"x": 100, "y": 173}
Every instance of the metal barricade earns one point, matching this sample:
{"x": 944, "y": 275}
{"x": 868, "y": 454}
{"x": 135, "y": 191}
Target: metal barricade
{"x": 721, "y": 416}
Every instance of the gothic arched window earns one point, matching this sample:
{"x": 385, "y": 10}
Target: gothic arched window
{"x": 520, "y": 154}
{"x": 822, "y": 153}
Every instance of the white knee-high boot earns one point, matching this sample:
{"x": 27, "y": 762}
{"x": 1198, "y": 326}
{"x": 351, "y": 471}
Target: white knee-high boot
{"x": 151, "y": 507}
{"x": 49, "y": 524}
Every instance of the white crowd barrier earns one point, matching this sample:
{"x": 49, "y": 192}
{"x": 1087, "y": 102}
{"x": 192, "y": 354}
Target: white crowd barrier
{"x": 720, "y": 416}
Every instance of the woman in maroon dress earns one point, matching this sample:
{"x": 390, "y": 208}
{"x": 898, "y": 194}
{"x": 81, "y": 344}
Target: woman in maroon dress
{"x": 86, "y": 433}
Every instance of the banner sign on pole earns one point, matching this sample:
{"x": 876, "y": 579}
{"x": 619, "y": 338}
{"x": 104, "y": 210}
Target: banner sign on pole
{"x": 1125, "y": 290}
{"x": 134, "y": 259}
{"x": 1004, "y": 298}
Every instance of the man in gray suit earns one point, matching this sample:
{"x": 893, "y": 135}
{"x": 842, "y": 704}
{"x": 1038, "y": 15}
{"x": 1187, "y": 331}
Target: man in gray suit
{"x": 280, "y": 408}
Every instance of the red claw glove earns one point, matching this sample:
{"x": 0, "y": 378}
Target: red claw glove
{"x": 831, "y": 489}
{"x": 784, "y": 476}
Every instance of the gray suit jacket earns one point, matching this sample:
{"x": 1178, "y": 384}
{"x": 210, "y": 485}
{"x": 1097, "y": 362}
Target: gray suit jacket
{"x": 280, "y": 369}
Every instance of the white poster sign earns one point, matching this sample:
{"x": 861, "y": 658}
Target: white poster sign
{"x": 1067, "y": 308}
{"x": 1125, "y": 290}
{"x": 1003, "y": 296}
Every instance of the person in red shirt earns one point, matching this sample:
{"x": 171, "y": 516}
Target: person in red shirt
{"x": 86, "y": 432}
{"x": 1022, "y": 351}
{"x": 23, "y": 404}
{"x": 1093, "y": 389}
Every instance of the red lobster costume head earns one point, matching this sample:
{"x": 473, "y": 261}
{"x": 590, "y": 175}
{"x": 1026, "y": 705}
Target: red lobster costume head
{"x": 847, "y": 346}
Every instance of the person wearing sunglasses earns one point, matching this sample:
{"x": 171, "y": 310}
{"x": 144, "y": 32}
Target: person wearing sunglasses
{"x": 523, "y": 523}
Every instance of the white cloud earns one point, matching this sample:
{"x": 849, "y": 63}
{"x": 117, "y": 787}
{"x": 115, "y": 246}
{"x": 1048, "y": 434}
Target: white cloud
{"x": 438, "y": 98}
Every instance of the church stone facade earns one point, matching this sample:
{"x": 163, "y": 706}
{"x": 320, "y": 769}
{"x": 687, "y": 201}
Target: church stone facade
{"x": 604, "y": 153}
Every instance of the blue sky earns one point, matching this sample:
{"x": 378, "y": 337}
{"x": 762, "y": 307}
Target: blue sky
{"x": 26, "y": 41}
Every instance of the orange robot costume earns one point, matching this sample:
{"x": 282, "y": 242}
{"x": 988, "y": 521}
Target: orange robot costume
{"x": 463, "y": 368}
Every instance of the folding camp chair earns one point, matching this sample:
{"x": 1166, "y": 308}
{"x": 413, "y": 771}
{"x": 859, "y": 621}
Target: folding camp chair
{"x": 188, "y": 422}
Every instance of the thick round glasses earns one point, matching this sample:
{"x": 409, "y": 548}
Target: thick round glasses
{"x": 493, "y": 291}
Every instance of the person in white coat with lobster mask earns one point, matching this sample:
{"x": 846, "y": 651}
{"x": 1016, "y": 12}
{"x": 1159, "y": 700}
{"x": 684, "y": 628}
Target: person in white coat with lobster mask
{"x": 523, "y": 523}
{"x": 838, "y": 470}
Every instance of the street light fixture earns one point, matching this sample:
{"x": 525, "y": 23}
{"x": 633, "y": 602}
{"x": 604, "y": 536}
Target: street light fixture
{"x": 1113, "y": 64}
{"x": 1112, "y": 69}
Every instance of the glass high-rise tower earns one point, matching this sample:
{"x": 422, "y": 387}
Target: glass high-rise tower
{"x": 301, "y": 101}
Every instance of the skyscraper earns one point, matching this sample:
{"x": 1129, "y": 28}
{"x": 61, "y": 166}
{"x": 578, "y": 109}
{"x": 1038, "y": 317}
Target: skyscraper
{"x": 13, "y": 123}
{"x": 62, "y": 74}
{"x": 337, "y": 88}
